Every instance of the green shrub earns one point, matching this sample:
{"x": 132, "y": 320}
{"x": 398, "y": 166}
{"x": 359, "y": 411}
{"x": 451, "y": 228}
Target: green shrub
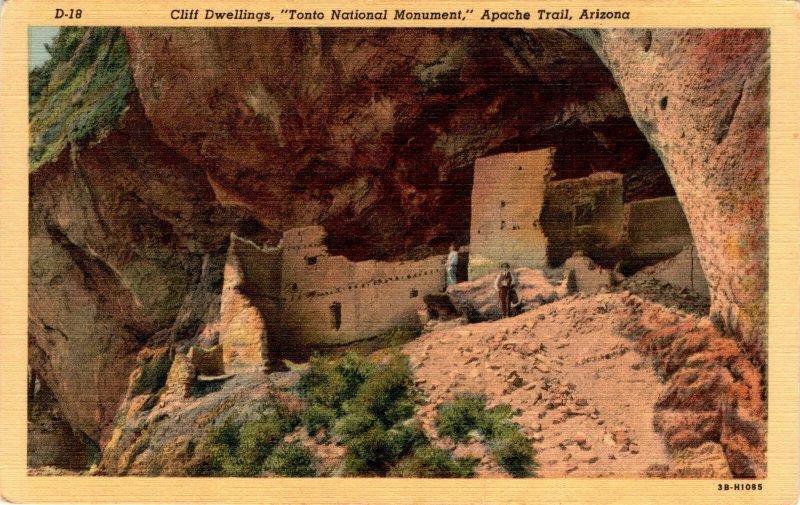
{"x": 457, "y": 418}
{"x": 291, "y": 460}
{"x": 316, "y": 417}
{"x": 330, "y": 384}
{"x": 405, "y": 437}
{"x": 368, "y": 453}
{"x": 353, "y": 425}
{"x": 370, "y": 408}
{"x": 431, "y": 462}
{"x": 240, "y": 449}
{"x": 257, "y": 440}
{"x": 153, "y": 374}
{"x": 515, "y": 455}
{"x": 509, "y": 447}
{"x": 387, "y": 394}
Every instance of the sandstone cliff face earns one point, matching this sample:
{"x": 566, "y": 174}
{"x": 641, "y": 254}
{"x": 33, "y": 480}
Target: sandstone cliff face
{"x": 700, "y": 97}
{"x": 373, "y": 133}
{"x": 127, "y": 246}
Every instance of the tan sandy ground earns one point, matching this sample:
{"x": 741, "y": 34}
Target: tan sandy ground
{"x": 585, "y": 396}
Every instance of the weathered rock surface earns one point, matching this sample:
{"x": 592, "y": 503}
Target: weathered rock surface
{"x": 51, "y": 440}
{"x": 369, "y": 132}
{"x": 164, "y": 434}
{"x": 712, "y": 393}
{"x": 478, "y": 301}
{"x": 700, "y": 98}
{"x": 126, "y": 241}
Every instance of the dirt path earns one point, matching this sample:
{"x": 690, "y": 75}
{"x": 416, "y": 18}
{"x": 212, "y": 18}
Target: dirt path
{"x": 584, "y": 395}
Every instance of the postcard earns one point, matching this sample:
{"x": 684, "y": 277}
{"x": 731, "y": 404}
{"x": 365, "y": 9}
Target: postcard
{"x": 400, "y": 252}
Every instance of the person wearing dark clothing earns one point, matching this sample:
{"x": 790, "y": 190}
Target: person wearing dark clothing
{"x": 504, "y": 284}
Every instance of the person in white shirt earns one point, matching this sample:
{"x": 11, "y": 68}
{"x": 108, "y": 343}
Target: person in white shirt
{"x": 452, "y": 265}
{"x": 504, "y": 283}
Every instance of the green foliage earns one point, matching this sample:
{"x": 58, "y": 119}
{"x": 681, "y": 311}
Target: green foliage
{"x": 370, "y": 408}
{"x": 316, "y": 417}
{"x": 330, "y": 384}
{"x": 468, "y": 413}
{"x": 388, "y": 394}
{"x": 457, "y": 418}
{"x": 353, "y": 425}
{"x": 153, "y": 375}
{"x": 515, "y": 454}
{"x": 241, "y": 449}
{"x": 291, "y": 460}
{"x": 431, "y": 462}
{"x": 80, "y": 93}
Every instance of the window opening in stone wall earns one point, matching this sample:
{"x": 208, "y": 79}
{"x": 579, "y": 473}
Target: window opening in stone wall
{"x": 336, "y": 315}
{"x": 414, "y": 293}
{"x": 582, "y": 215}
{"x": 311, "y": 260}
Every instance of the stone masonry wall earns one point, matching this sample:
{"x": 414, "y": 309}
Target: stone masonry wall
{"x": 584, "y": 214}
{"x": 295, "y": 296}
{"x": 507, "y": 198}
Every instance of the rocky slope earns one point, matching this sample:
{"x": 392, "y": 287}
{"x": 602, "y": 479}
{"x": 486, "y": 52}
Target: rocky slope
{"x": 605, "y": 385}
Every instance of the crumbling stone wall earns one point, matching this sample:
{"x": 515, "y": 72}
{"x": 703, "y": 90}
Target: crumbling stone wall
{"x": 585, "y": 214}
{"x": 331, "y": 300}
{"x": 243, "y": 325}
{"x": 284, "y": 300}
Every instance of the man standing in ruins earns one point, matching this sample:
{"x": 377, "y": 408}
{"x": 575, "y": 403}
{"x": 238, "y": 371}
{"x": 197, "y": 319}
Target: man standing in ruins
{"x": 452, "y": 265}
{"x": 504, "y": 284}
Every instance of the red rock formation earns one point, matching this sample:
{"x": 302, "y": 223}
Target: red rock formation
{"x": 373, "y": 133}
{"x": 700, "y": 98}
{"x": 712, "y": 393}
{"x": 126, "y": 241}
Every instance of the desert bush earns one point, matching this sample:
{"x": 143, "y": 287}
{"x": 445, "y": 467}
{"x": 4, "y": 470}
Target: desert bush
{"x": 291, "y": 460}
{"x": 457, "y": 418}
{"x": 468, "y": 413}
{"x": 388, "y": 393}
{"x": 515, "y": 454}
{"x": 240, "y": 449}
{"x": 369, "y": 408}
{"x": 431, "y": 462}
{"x": 316, "y": 417}
{"x": 331, "y": 383}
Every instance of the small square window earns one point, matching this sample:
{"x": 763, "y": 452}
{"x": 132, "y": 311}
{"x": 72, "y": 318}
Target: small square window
{"x": 311, "y": 260}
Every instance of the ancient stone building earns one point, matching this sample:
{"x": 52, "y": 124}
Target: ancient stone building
{"x": 306, "y": 298}
{"x": 584, "y": 214}
{"x": 522, "y": 216}
{"x": 507, "y": 199}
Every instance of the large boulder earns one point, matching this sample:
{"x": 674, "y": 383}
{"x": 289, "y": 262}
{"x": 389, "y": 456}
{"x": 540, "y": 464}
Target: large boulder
{"x": 478, "y": 300}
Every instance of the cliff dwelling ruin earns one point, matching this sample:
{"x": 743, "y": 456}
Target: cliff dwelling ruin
{"x": 306, "y": 298}
{"x": 522, "y": 215}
